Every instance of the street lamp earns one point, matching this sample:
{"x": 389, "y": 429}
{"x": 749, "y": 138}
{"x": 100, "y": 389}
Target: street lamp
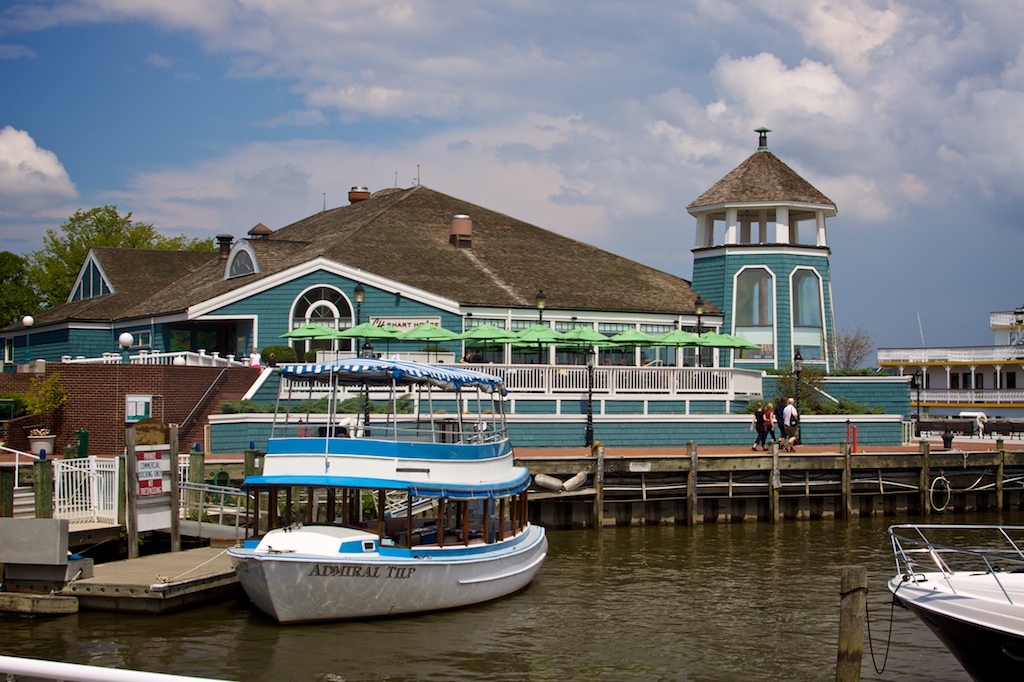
{"x": 798, "y": 367}
{"x": 367, "y": 352}
{"x": 590, "y": 396}
{"x": 541, "y": 302}
{"x": 698, "y": 309}
{"x": 918, "y": 381}
{"x": 359, "y": 294}
{"x": 28, "y": 321}
{"x": 125, "y": 340}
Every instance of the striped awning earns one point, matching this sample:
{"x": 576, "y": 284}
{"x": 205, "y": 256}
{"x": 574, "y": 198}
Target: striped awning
{"x": 378, "y": 371}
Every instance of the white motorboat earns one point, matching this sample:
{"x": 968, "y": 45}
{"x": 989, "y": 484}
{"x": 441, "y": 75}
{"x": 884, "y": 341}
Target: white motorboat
{"x": 417, "y": 510}
{"x": 966, "y": 582}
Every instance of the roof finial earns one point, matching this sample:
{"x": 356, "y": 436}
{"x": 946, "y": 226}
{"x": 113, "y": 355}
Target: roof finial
{"x": 762, "y": 139}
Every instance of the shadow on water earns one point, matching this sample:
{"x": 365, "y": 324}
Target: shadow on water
{"x": 712, "y": 602}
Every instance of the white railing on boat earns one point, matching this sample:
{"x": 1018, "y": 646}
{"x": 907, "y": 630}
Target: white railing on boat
{"x": 970, "y": 396}
{"x": 573, "y": 379}
{"x": 74, "y": 672}
{"x": 966, "y": 354}
{"x": 406, "y": 428}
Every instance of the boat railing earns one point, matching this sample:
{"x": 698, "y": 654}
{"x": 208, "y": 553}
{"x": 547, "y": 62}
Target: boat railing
{"x": 473, "y": 430}
{"x": 992, "y": 550}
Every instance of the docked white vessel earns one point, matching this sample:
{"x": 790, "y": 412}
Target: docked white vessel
{"x": 419, "y": 509}
{"x": 966, "y": 583}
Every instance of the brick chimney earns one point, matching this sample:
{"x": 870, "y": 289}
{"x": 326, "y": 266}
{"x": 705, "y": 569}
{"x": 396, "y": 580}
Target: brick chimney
{"x": 224, "y": 241}
{"x": 460, "y": 233}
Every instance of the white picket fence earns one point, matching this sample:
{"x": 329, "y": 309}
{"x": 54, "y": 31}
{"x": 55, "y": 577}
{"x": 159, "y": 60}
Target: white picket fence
{"x": 86, "y": 490}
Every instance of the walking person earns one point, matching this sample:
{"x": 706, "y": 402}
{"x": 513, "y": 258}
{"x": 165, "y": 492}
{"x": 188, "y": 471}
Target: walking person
{"x": 780, "y": 421}
{"x": 792, "y": 420}
{"x": 769, "y": 424}
{"x": 760, "y": 426}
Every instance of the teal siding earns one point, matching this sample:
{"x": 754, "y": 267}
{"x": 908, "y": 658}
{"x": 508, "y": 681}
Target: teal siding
{"x": 623, "y": 407}
{"x": 536, "y": 407}
{"x": 708, "y": 407}
{"x": 666, "y": 407}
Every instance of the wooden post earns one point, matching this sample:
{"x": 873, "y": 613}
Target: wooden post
{"x": 599, "y": 487}
{"x": 253, "y": 464}
{"x": 691, "y": 485}
{"x": 999, "y": 474}
{"x": 131, "y": 490}
{"x": 844, "y": 449}
{"x": 7, "y": 492}
{"x": 925, "y": 480}
{"x": 853, "y": 587}
{"x": 175, "y": 491}
{"x": 42, "y": 474}
{"x": 775, "y": 484}
{"x": 196, "y": 475}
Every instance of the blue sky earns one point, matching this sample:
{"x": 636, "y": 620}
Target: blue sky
{"x": 600, "y": 120}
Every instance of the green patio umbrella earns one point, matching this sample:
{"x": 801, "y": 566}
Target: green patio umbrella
{"x": 428, "y": 331}
{"x": 678, "y": 337}
{"x": 716, "y": 340}
{"x": 367, "y": 330}
{"x": 487, "y": 332}
{"x": 311, "y": 331}
{"x": 539, "y": 334}
{"x": 633, "y": 337}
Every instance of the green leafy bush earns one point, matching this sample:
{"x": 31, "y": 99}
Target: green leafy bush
{"x": 283, "y": 354}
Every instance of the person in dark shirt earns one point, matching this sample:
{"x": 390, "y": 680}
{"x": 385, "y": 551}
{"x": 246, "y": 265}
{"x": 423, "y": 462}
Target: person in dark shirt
{"x": 477, "y": 357}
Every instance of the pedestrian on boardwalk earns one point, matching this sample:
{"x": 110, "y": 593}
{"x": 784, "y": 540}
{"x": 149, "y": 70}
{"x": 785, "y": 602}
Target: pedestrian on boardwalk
{"x": 769, "y": 423}
{"x": 760, "y": 426}
{"x": 780, "y": 421}
{"x": 791, "y": 419}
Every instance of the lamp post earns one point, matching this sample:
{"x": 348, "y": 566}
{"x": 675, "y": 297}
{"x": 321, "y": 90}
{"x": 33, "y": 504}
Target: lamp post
{"x": 359, "y": 294}
{"x": 125, "y": 340}
{"x": 28, "y": 321}
{"x": 367, "y": 352}
{"x": 918, "y": 381}
{"x": 590, "y": 396}
{"x": 798, "y": 367}
{"x": 541, "y": 302}
{"x": 698, "y": 309}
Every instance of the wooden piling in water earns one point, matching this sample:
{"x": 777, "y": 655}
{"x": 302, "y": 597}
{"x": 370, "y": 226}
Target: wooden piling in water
{"x": 853, "y": 587}
{"x": 691, "y": 485}
{"x": 925, "y": 479}
{"x": 42, "y": 479}
{"x": 7, "y": 477}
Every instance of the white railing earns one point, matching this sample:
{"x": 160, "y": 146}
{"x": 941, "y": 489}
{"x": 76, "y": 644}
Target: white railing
{"x": 86, "y": 490}
{"x": 214, "y": 505}
{"x": 979, "y": 354}
{"x": 1004, "y": 396}
{"x": 572, "y": 379}
{"x": 18, "y": 454}
{"x": 143, "y": 357}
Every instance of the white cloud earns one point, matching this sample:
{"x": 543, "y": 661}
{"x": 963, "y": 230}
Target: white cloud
{"x": 29, "y": 176}
{"x": 15, "y": 51}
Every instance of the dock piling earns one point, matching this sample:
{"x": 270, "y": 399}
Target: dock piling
{"x": 853, "y": 587}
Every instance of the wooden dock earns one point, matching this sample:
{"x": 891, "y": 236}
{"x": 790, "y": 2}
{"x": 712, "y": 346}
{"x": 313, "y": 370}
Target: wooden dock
{"x": 159, "y": 583}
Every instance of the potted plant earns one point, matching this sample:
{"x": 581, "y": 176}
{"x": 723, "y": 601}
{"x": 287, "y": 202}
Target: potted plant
{"x": 41, "y": 442}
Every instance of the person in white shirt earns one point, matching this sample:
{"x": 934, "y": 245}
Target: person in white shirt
{"x": 791, "y": 418}
{"x": 254, "y": 358}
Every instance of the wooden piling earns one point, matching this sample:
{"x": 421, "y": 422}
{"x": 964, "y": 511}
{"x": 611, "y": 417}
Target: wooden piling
{"x": 776, "y": 483}
{"x": 691, "y": 485}
{"x": 847, "y": 483}
{"x": 853, "y": 587}
{"x": 175, "y": 490}
{"x": 599, "y": 487}
{"x": 999, "y": 474}
{"x": 42, "y": 475}
{"x": 925, "y": 479}
{"x": 7, "y": 477}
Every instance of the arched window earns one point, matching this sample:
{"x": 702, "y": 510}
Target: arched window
{"x": 754, "y": 315}
{"x": 323, "y": 305}
{"x": 241, "y": 261}
{"x": 807, "y": 314}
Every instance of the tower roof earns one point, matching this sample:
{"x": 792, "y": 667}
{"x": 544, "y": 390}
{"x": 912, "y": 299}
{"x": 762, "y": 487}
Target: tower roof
{"x": 762, "y": 178}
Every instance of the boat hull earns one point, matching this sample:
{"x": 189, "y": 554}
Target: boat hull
{"x": 980, "y": 628}
{"x": 294, "y": 588}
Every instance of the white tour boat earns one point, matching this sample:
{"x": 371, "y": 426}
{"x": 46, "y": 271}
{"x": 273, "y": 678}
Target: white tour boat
{"x": 966, "y": 582}
{"x": 417, "y": 510}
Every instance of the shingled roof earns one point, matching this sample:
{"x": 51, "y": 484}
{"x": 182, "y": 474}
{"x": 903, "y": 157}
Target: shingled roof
{"x": 403, "y": 234}
{"x": 762, "y": 178}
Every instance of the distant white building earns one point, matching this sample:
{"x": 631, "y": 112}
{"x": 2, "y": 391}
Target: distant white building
{"x": 968, "y": 378}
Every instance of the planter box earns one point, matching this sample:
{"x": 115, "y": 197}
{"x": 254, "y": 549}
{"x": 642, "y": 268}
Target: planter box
{"x": 39, "y": 443}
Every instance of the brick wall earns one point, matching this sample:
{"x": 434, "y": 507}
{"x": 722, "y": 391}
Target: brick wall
{"x": 96, "y": 401}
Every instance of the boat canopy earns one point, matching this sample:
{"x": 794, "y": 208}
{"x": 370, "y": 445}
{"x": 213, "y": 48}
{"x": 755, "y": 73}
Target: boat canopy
{"x": 378, "y": 371}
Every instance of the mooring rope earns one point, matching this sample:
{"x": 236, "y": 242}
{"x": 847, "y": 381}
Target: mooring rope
{"x": 194, "y": 568}
{"x": 888, "y": 639}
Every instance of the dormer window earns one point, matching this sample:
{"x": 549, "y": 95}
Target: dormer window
{"x": 241, "y": 261}
{"x": 92, "y": 282}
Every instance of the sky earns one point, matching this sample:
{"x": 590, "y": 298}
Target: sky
{"x": 600, "y": 120}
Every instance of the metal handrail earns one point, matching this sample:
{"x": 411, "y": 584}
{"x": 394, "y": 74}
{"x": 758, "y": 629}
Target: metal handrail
{"x": 17, "y": 461}
{"x": 202, "y": 399}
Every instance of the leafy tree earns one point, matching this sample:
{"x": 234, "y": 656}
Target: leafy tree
{"x": 52, "y": 271}
{"x": 16, "y": 296}
{"x": 852, "y": 346}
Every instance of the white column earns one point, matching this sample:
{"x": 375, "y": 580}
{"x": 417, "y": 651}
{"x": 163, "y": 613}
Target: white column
{"x": 762, "y": 219}
{"x": 782, "y": 225}
{"x": 705, "y": 230}
{"x": 819, "y": 217}
{"x": 745, "y": 231}
{"x": 731, "y": 215}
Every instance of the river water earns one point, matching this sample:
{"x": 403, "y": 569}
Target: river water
{"x": 751, "y": 601}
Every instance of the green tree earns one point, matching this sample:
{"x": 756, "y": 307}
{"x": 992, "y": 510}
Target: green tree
{"x": 52, "y": 271}
{"x": 16, "y": 295}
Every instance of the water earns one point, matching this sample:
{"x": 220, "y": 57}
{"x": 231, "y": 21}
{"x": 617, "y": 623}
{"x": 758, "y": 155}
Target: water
{"x": 713, "y": 602}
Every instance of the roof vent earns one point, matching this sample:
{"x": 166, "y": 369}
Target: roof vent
{"x": 460, "y": 234}
{"x": 762, "y": 139}
{"x": 357, "y": 194}
{"x": 224, "y": 241}
{"x": 260, "y": 231}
